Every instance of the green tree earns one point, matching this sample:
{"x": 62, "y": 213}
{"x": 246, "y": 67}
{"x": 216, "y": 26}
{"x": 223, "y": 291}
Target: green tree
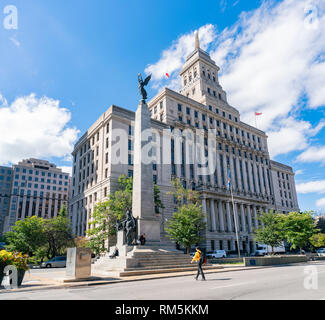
{"x": 81, "y": 242}
{"x": 158, "y": 204}
{"x": 298, "y": 228}
{"x": 318, "y": 240}
{"x": 100, "y": 229}
{"x": 187, "y": 223}
{"x": 182, "y": 195}
{"x": 271, "y": 234}
{"x": 58, "y": 234}
{"x": 27, "y": 236}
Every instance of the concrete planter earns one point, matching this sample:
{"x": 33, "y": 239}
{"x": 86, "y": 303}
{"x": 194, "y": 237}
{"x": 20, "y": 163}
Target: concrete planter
{"x": 20, "y": 277}
{"x": 274, "y": 260}
{"x": 2, "y": 266}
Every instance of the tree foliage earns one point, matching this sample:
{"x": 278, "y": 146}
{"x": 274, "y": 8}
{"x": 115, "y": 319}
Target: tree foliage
{"x": 298, "y": 228}
{"x": 182, "y": 195}
{"x": 58, "y": 234}
{"x": 187, "y": 223}
{"x": 318, "y": 240}
{"x": 41, "y": 237}
{"x": 272, "y": 233}
{"x": 27, "y": 235}
{"x": 158, "y": 203}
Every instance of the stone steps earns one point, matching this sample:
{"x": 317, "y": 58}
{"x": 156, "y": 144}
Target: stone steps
{"x": 162, "y": 266}
{"x": 147, "y": 260}
{"x": 151, "y": 261}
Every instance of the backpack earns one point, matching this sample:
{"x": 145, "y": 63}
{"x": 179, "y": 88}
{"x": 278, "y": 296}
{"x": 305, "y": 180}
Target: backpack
{"x": 203, "y": 258}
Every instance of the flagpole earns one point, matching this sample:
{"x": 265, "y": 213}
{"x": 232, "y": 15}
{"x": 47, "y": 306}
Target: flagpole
{"x": 235, "y": 218}
{"x": 255, "y": 120}
{"x": 235, "y": 212}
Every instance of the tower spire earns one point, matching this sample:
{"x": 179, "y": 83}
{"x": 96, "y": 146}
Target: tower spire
{"x": 197, "y": 40}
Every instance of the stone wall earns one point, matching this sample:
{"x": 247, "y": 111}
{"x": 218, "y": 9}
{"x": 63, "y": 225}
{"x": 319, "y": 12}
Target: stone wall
{"x": 274, "y": 260}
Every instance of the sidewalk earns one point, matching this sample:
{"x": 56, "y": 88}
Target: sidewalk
{"x": 55, "y": 280}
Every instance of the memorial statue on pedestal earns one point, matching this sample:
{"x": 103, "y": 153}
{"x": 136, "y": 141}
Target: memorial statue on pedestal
{"x": 142, "y": 84}
{"x": 129, "y": 226}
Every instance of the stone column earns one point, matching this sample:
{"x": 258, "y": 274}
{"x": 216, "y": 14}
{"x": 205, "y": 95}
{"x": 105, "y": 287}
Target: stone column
{"x": 233, "y": 244}
{"x": 267, "y": 191}
{"x": 249, "y": 164}
{"x": 236, "y": 219}
{"x": 221, "y": 220}
{"x": 263, "y": 191}
{"x": 37, "y": 206}
{"x": 23, "y": 214}
{"x": 254, "y": 246}
{"x": 219, "y": 170}
{"x": 204, "y": 209}
{"x": 256, "y": 177}
{"x": 239, "y": 175}
{"x": 245, "y": 175}
{"x": 48, "y": 213}
{"x": 242, "y": 214}
{"x": 213, "y": 216}
{"x": 247, "y": 247}
{"x": 233, "y": 176}
{"x": 230, "y": 229}
{"x": 143, "y": 197}
{"x": 225, "y": 168}
{"x": 249, "y": 216}
{"x": 56, "y": 202}
{"x": 255, "y": 216}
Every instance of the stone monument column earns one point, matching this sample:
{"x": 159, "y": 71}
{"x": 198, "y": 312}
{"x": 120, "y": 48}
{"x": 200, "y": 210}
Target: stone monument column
{"x": 143, "y": 195}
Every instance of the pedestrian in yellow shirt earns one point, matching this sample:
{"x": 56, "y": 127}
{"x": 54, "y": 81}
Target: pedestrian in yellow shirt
{"x": 198, "y": 258}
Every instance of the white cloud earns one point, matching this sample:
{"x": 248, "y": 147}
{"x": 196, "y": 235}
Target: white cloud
{"x": 298, "y": 172}
{"x": 311, "y": 187}
{"x": 34, "y": 127}
{"x": 174, "y": 57}
{"x": 15, "y": 41}
{"x": 66, "y": 170}
{"x": 320, "y": 203}
{"x": 313, "y": 154}
{"x": 270, "y": 59}
{"x": 290, "y": 134}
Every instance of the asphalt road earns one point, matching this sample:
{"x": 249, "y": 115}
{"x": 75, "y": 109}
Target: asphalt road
{"x": 303, "y": 281}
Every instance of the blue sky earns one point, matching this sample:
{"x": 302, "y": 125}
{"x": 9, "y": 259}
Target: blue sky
{"x": 68, "y": 61}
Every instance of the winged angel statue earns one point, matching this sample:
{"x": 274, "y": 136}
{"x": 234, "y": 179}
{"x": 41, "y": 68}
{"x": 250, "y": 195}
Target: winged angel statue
{"x": 142, "y": 84}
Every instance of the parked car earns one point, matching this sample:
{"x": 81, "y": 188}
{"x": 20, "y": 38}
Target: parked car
{"x": 320, "y": 252}
{"x": 57, "y": 262}
{"x": 217, "y": 254}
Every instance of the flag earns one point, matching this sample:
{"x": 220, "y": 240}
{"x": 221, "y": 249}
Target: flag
{"x": 258, "y": 113}
{"x": 167, "y": 75}
{"x": 229, "y": 179}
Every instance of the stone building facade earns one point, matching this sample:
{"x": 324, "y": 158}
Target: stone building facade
{"x": 38, "y": 188}
{"x": 199, "y": 139}
{"x": 5, "y": 192}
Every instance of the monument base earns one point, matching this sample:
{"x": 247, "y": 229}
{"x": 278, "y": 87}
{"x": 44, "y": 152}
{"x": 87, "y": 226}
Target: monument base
{"x": 151, "y": 227}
